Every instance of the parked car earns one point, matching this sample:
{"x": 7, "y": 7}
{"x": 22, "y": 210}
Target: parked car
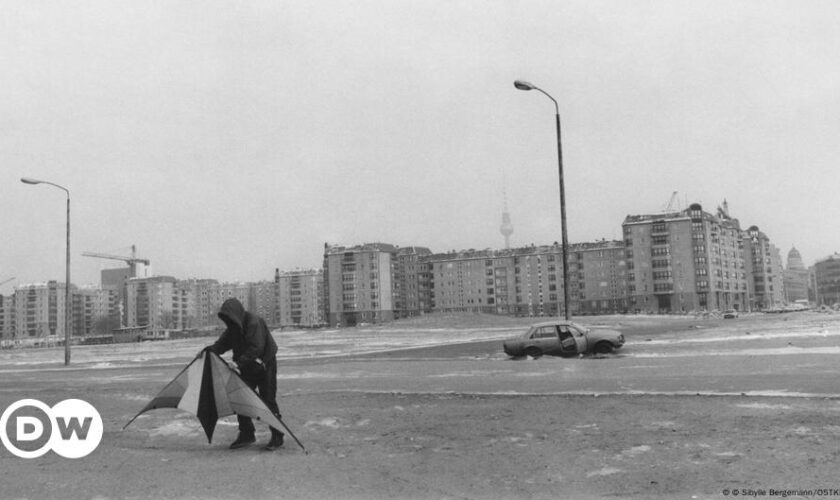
{"x": 563, "y": 338}
{"x": 730, "y": 314}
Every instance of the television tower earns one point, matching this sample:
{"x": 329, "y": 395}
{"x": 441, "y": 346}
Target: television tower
{"x": 507, "y": 227}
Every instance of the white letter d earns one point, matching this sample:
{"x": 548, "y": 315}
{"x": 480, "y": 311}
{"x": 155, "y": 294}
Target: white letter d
{"x": 29, "y": 428}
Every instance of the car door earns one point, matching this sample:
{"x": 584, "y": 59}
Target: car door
{"x": 568, "y": 340}
{"x": 580, "y": 338}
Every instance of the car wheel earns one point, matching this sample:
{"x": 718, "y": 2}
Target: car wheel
{"x": 603, "y": 348}
{"x": 534, "y": 352}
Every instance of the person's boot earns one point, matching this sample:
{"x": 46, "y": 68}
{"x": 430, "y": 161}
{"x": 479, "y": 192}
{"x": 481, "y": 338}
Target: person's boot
{"x": 243, "y": 439}
{"x": 275, "y": 442}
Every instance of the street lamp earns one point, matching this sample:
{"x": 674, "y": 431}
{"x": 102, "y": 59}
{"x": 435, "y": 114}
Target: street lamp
{"x": 522, "y": 85}
{"x": 68, "y": 305}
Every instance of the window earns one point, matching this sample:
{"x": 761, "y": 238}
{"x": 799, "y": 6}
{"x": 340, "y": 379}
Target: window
{"x": 545, "y": 332}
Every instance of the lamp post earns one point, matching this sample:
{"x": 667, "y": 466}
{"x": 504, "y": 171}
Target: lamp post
{"x": 523, "y": 85}
{"x": 68, "y": 305}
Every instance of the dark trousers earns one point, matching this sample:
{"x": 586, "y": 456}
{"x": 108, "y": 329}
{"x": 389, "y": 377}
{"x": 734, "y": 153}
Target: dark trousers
{"x": 266, "y": 387}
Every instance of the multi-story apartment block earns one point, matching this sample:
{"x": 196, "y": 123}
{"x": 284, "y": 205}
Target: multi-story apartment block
{"x": 796, "y": 278}
{"x": 91, "y": 305}
{"x": 116, "y": 280}
{"x": 7, "y": 318}
{"x": 685, "y": 261}
{"x": 764, "y": 266}
{"x": 157, "y": 302}
{"x": 240, "y": 291}
{"x": 300, "y": 298}
{"x": 262, "y": 300}
{"x": 358, "y": 283}
{"x": 205, "y": 295}
{"x": 412, "y": 293}
{"x": 40, "y": 310}
{"x": 521, "y": 281}
{"x": 827, "y": 280}
{"x": 600, "y": 271}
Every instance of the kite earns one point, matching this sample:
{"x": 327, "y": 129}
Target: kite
{"x": 210, "y": 389}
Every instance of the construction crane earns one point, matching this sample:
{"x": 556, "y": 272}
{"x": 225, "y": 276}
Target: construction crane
{"x": 670, "y": 204}
{"x": 5, "y": 281}
{"x": 131, "y": 261}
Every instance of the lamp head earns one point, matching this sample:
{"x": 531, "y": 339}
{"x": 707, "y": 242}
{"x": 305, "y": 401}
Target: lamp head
{"x": 523, "y": 85}
{"x": 27, "y": 180}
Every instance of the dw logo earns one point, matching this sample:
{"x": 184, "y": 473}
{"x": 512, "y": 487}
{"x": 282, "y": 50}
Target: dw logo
{"x": 72, "y": 428}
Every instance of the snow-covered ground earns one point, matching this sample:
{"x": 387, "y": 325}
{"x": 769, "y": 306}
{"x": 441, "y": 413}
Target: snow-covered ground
{"x": 292, "y": 344}
{"x": 756, "y": 334}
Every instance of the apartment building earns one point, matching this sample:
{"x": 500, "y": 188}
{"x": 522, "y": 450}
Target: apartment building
{"x": 827, "y": 280}
{"x": 600, "y": 271}
{"x": 685, "y": 261}
{"x": 7, "y": 318}
{"x": 300, "y": 298}
{"x": 262, "y": 300}
{"x": 93, "y": 305}
{"x": 40, "y": 310}
{"x": 205, "y": 295}
{"x": 157, "y": 302}
{"x": 116, "y": 280}
{"x": 521, "y": 281}
{"x": 412, "y": 280}
{"x": 358, "y": 285}
{"x": 764, "y": 265}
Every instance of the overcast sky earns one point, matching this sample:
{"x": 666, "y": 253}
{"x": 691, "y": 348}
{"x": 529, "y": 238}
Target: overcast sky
{"x": 226, "y": 139}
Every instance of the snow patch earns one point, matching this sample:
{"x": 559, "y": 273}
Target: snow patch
{"x": 176, "y": 428}
{"x": 331, "y": 422}
{"x": 779, "y": 351}
{"x": 606, "y": 471}
{"x": 764, "y": 406}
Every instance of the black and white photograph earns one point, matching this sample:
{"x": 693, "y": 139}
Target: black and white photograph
{"x": 419, "y": 249}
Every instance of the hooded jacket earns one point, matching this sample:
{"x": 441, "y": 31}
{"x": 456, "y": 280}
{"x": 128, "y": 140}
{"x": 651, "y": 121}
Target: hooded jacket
{"x": 246, "y": 334}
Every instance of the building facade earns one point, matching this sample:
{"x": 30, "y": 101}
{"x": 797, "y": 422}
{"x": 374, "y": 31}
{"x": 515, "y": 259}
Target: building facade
{"x": 157, "y": 303}
{"x": 358, "y": 284}
{"x": 7, "y": 319}
{"x": 92, "y": 307}
{"x": 764, "y": 266}
{"x": 520, "y": 281}
{"x": 600, "y": 271}
{"x": 827, "y": 280}
{"x": 685, "y": 261}
{"x": 412, "y": 291}
{"x": 300, "y": 298}
{"x": 795, "y": 278}
{"x": 40, "y": 310}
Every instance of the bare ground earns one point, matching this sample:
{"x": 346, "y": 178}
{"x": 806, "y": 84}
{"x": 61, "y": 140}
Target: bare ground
{"x": 364, "y": 445}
